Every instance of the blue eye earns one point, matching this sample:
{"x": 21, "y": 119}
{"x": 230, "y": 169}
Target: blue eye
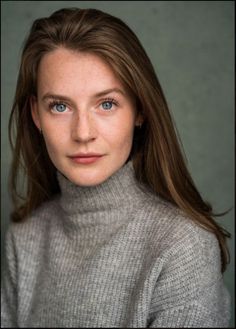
{"x": 60, "y": 107}
{"x": 57, "y": 106}
{"x": 107, "y": 105}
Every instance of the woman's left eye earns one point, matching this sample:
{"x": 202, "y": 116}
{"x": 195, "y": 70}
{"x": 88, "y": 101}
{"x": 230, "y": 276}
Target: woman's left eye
{"x": 108, "y": 104}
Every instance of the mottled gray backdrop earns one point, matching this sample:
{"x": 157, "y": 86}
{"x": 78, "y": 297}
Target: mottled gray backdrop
{"x": 191, "y": 44}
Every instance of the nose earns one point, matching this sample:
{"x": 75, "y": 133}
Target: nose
{"x": 83, "y": 128}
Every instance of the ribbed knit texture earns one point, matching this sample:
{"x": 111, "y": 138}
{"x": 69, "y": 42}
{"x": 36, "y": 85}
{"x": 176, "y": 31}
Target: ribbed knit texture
{"x": 112, "y": 255}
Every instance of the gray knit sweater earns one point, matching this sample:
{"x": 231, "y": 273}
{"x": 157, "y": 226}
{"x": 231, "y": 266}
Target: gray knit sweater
{"x": 113, "y": 255}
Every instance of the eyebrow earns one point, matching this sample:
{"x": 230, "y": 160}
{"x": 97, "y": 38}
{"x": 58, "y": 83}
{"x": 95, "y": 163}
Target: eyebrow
{"x": 99, "y": 94}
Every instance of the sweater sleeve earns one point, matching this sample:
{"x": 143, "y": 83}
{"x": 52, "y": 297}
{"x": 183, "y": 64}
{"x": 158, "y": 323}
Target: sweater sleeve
{"x": 9, "y": 286}
{"x": 190, "y": 291}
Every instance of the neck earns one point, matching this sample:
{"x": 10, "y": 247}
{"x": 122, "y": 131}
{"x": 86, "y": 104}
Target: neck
{"x": 122, "y": 187}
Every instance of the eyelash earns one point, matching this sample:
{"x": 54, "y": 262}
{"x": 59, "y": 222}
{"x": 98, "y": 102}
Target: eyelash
{"x": 111, "y": 100}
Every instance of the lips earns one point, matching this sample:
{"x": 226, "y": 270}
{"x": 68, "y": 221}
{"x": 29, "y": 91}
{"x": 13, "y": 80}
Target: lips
{"x": 86, "y": 158}
{"x": 86, "y": 155}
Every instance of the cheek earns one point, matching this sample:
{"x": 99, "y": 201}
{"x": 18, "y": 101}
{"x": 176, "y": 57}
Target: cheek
{"x": 119, "y": 133}
{"x": 55, "y": 137}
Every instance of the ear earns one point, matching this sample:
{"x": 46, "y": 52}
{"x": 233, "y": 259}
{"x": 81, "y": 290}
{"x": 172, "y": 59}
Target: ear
{"x": 35, "y": 112}
{"x": 139, "y": 120}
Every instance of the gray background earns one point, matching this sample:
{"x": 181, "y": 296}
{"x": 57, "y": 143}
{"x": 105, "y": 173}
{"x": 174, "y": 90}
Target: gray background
{"x": 191, "y": 45}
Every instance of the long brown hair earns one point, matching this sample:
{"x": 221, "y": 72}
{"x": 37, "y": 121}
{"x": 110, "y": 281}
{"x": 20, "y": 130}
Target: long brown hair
{"x": 156, "y": 153}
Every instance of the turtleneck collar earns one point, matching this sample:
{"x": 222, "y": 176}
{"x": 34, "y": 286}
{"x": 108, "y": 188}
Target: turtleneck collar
{"x": 119, "y": 189}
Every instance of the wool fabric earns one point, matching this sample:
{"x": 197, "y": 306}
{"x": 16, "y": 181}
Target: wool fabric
{"x": 112, "y": 255}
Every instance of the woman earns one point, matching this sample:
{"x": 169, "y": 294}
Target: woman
{"x": 111, "y": 231}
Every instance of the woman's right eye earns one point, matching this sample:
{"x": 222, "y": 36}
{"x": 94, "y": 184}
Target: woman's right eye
{"x": 57, "y": 107}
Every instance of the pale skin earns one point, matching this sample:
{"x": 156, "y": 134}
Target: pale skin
{"x": 83, "y": 119}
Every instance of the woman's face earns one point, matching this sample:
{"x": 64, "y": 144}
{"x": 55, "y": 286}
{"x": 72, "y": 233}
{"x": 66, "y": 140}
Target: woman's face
{"x": 85, "y": 114}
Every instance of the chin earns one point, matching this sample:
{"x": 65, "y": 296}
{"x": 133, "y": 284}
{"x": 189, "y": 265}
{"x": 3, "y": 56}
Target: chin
{"x": 87, "y": 180}
{"x": 92, "y": 175}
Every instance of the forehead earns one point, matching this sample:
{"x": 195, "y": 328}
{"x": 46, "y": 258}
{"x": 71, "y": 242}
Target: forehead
{"x": 66, "y": 69}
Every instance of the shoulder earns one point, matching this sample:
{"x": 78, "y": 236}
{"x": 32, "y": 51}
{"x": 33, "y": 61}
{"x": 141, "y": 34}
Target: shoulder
{"x": 172, "y": 233}
{"x": 33, "y": 228}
